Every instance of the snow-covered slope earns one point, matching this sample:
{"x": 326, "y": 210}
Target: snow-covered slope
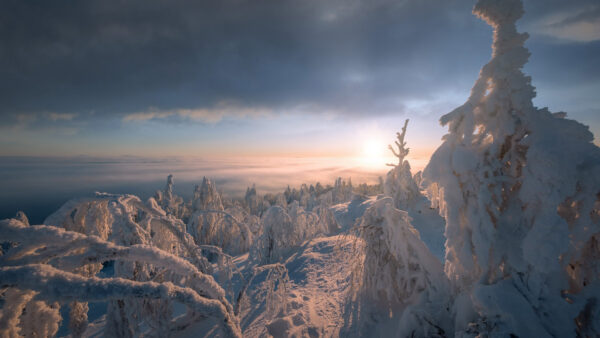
{"x": 312, "y": 304}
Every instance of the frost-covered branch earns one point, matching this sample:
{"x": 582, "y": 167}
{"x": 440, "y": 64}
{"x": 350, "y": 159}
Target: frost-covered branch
{"x": 401, "y": 145}
{"x": 59, "y": 245}
{"x": 57, "y": 248}
{"x": 56, "y": 285}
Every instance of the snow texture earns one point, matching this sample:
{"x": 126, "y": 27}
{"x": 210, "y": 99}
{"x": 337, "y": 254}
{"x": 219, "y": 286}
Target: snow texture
{"x": 397, "y": 279}
{"x": 48, "y": 261}
{"x": 211, "y": 224}
{"x": 518, "y": 187}
{"x": 499, "y": 236}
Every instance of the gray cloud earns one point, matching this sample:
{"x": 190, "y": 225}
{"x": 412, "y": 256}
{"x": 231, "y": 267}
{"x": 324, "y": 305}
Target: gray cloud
{"x": 149, "y": 57}
{"x": 579, "y": 23}
{"x": 124, "y": 57}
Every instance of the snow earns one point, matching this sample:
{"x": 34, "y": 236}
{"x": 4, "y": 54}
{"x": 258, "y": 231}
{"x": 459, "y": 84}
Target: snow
{"x": 46, "y": 257}
{"x": 518, "y": 187}
{"x": 315, "y": 293}
{"x": 498, "y": 236}
{"x": 55, "y": 285}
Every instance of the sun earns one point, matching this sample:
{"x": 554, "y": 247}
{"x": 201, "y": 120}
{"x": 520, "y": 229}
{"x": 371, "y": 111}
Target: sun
{"x": 373, "y": 152}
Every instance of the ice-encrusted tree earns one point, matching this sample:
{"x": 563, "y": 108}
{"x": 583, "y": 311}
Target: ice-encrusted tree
{"x": 399, "y": 182}
{"x": 396, "y": 276}
{"x": 43, "y": 270}
{"x": 169, "y": 202}
{"x": 401, "y": 145}
{"x": 519, "y": 188}
{"x": 206, "y": 197}
{"x": 305, "y": 222}
{"x": 327, "y": 221}
{"x": 126, "y": 220}
{"x": 255, "y": 203}
{"x": 210, "y": 224}
{"x": 278, "y": 237}
{"x": 342, "y": 191}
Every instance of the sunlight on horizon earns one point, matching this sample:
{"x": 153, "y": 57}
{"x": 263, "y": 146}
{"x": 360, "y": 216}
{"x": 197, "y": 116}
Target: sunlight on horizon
{"x": 374, "y": 152}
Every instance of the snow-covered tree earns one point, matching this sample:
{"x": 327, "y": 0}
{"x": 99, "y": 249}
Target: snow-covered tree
{"x": 395, "y": 271}
{"x": 206, "y": 197}
{"x": 399, "y": 182}
{"x": 126, "y": 220}
{"x": 306, "y": 222}
{"x": 280, "y": 201}
{"x": 254, "y": 202}
{"x": 519, "y": 188}
{"x": 342, "y": 191}
{"x": 211, "y": 224}
{"x": 278, "y": 238}
{"x": 41, "y": 272}
{"x": 327, "y": 222}
{"x": 168, "y": 201}
{"x": 252, "y": 222}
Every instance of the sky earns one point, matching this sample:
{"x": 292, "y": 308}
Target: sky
{"x": 266, "y": 78}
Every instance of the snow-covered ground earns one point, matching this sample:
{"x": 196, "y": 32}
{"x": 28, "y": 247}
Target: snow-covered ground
{"x": 514, "y": 253}
{"x": 307, "y": 294}
{"x": 315, "y": 294}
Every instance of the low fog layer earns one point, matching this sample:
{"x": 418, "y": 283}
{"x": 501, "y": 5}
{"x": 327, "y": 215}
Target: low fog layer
{"x": 39, "y": 186}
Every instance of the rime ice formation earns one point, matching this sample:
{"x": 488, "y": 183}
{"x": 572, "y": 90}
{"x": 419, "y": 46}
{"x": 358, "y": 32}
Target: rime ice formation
{"x": 404, "y": 189}
{"x": 519, "y": 189}
{"x": 125, "y": 220}
{"x": 399, "y": 182}
{"x": 49, "y": 260}
{"x": 397, "y": 272}
{"x": 206, "y": 197}
{"x": 211, "y": 224}
{"x": 327, "y": 222}
{"x": 256, "y": 205}
{"x": 278, "y": 236}
{"x": 342, "y": 191}
{"x": 169, "y": 202}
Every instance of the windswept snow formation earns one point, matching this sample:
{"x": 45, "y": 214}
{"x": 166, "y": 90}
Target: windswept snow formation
{"x": 519, "y": 188}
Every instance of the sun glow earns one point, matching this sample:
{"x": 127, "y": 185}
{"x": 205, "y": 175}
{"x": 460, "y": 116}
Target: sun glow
{"x": 374, "y": 152}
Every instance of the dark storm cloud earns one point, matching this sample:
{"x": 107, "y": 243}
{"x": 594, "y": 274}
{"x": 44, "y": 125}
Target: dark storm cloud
{"x": 114, "y": 56}
{"x": 125, "y": 57}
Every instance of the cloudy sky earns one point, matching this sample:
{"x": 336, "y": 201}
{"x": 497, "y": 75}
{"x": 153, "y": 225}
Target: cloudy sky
{"x": 264, "y": 77}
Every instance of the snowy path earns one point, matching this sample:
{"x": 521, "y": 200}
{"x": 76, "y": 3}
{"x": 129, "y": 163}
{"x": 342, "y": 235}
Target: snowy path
{"x": 319, "y": 296}
{"x": 319, "y": 279}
